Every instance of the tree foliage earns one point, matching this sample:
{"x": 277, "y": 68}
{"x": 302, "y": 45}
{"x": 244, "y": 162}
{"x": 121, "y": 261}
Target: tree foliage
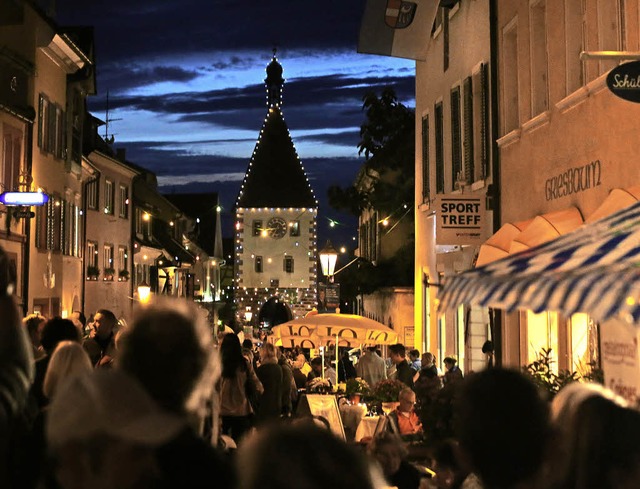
{"x": 386, "y": 180}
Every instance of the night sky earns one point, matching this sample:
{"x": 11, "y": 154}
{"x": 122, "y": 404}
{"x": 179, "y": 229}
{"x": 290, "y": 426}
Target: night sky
{"x": 185, "y": 81}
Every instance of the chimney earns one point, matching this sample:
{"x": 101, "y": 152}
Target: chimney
{"x": 121, "y": 154}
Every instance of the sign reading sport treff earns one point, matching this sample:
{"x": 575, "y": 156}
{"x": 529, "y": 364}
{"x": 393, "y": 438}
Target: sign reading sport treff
{"x": 460, "y": 219}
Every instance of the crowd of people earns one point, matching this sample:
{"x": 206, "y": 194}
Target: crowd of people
{"x": 157, "y": 404}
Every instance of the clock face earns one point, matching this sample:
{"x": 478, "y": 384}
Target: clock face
{"x": 277, "y": 227}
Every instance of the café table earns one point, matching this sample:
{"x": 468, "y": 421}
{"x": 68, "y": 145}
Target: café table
{"x": 367, "y": 427}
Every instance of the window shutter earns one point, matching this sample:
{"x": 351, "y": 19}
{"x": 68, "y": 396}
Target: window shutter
{"x": 439, "y": 149}
{"x": 40, "y": 120}
{"x": 469, "y": 170}
{"x": 456, "y": 156}
{"x": 425, "y": 159}
{"x": 484, "y": 120}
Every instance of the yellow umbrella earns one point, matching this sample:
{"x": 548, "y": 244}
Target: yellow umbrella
{"x": 326, "y": 329}
{"x": 337, "y": 329}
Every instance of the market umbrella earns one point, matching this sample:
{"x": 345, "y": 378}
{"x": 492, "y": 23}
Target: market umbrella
{"x": 325, "y": 329}
{"x": 593, "y": 269}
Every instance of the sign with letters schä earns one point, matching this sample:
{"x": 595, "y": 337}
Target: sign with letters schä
{"x": 460, "y": 219}
{"x": 624, "y": 81}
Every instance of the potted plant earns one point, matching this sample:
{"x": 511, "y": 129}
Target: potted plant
{"x": 109, "y": 273}
{"x": 92, "y": 273}
{"x": 355, "y": 389}
{"x": 387, "y": 391}
{"x": 123, "y": 275}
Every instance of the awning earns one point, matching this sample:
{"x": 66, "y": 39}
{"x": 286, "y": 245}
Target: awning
{"x": 618, "y": 199}
{"x": 594, "y": 269}
{"x": 515, "y": 237}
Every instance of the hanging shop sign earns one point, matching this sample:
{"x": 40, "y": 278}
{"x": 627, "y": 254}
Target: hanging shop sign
{"x": 624, "y": 81}
{"x": 460, "y": 219}
{"x": 620, "y": 358}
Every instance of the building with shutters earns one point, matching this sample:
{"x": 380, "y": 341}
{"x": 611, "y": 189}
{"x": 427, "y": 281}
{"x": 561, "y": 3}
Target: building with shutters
{"x": 454, "y": 156}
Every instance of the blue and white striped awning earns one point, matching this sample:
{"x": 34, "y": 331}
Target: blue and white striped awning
{"x": 594, "y": 269}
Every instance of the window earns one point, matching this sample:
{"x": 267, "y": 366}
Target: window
{"x": 123, "y": 202}
{"x": 139, "y": 228}
{"x": 439, "y": 116}
{"x": 294, "y": 228}
{"x": 51, "y": 127}
{"x": 539, "y": 65}
{"x": 123, "y": 258}
{"x": 611, "y": 30}
{"x": 469, "y": 171}
{"x": 288, "y": 264}
{"x": 108, "y": 197}
{"x": 258, "y": 264}
{"x": 256, "y": 228}
{"x": 480, "y": 113}
{"x": 425, "y": 158}
{"x": 92, "y": 194}
{"x": 11, "y": 157}
{"x": 50, "y": 225}
{"x": 274, "y": 282}
{"x": 71, "y": 224}
{"x": 510, "y": 77}
{"x": 107, "y": 259}
{"x": 542, "y": 332}
{"x": 574, "y": 27}
{"x": 456, "y": 151}
{"x": 92, "y": 254}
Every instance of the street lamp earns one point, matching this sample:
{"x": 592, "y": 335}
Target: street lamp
{"x": 144, "y": 292}
{"x": 328, "y": 258}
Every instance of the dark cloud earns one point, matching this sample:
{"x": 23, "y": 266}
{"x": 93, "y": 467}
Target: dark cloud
{"x": 175, "y": 26}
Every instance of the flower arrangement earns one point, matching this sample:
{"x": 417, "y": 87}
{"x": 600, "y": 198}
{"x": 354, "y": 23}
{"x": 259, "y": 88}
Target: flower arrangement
{"x": 92, "y": 272}
{"x": 387, "y": 390}
{"x": 356, "y": 386}
{"x": 319, "y": 386}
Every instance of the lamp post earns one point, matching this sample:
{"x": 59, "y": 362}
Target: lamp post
{"x": 144, "y": 292}
{"x": 328, "y": 259}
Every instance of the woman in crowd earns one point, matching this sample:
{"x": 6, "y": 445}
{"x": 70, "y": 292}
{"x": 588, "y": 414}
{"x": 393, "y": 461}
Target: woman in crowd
{"x": 68, "y": 360}
{"x": 270, "y": 375}
{"x": 235, "y": 386}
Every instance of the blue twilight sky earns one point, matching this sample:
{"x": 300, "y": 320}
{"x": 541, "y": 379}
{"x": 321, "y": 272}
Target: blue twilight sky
{"x": 186, "y": 87}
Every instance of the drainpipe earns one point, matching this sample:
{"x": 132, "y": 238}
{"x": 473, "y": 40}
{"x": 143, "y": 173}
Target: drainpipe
{"x": 496, "y": 324}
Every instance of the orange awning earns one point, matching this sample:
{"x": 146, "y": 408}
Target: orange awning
{"x": 617, "y": 199}
{"x": 514, "y": 237}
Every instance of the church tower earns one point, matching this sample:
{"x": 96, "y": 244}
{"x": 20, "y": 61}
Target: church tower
{"x": 275, "y": 224}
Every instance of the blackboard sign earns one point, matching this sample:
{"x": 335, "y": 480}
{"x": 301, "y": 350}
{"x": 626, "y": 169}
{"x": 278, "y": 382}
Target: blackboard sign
{"x": 624, "y": 81}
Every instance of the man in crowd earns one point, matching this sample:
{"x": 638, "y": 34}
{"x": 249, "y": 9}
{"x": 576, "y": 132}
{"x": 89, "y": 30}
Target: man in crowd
{"x": 101, "y": 345}
{"x": 371, "y": 367}
{"x": 405, "y": 415}
{"x": 404, "y": 373}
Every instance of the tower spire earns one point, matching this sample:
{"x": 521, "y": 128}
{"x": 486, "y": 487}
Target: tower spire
{"x": 274, "y": 82}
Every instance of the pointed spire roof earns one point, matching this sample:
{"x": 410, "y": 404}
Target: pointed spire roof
{"x": 275, "y": 176}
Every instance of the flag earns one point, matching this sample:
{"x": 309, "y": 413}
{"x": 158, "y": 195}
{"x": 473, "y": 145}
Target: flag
{"x": 398, "y": 28}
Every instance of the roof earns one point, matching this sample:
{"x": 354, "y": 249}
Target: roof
{"x": 275, "y": 177}
{"x": 160, "y": 231}
{"x": 203, "y": 206}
